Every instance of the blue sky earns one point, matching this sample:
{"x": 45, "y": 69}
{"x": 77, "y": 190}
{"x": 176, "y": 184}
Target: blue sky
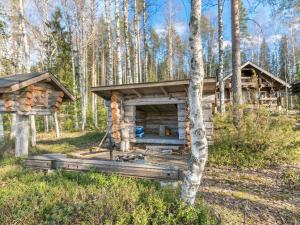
{"x": 272, "y": 27}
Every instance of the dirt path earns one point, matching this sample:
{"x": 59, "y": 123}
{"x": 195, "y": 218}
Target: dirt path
{"x": 249, "y": 196}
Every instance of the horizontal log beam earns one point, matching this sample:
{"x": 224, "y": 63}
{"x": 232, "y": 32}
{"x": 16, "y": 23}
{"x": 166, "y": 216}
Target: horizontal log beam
{"x": 170, "y": 173}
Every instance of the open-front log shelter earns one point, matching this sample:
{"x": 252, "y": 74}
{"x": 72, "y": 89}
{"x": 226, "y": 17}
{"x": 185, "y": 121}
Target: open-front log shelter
{"x": 161, "y": 108}
{"x": 258, "y": 86}
{"x": 30, "y": 94}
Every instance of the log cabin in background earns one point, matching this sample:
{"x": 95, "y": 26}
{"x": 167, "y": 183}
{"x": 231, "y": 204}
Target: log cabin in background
{"x": 160, "y": 108}
{"x": 258, "y": 87}
{"x": 30, "y": 94}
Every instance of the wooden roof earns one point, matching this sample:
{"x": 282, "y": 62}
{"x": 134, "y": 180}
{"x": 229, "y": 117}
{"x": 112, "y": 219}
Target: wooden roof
{"x": 16, "y": 82}
{"x": 152, "y": 88}
{"x": 250, "y": 64}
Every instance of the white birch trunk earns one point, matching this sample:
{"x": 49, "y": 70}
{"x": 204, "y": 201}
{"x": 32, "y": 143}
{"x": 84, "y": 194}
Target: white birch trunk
{"x": 136, "y": 43}
{"x": 13, "y": 121}
{"x": 145, "y": 42}
{"x": 46, "y": 124}
{"x": 22, "y": 135}
{"x": 110, "y": 80}
{"x": 27, "y": 68}
{"x": 33, "y": 130}
{"x": 127, "y": 45}
{"x": 56, "y": 124}
{"x": 1, "y": 130}
{"x": 199, "y": 144}
{"x": 93, "y": 69}
{"x": 221, "y": 58}
{"x": 236, "y": 62}
{"x": 118, "y": 40}
{"x": 170, "y": 42}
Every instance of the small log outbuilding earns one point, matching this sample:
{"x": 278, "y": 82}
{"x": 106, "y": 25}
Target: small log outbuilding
{"x": 161, "y": 108}
{"x": 258, "y": 87}
{"x": 30, "y": 94}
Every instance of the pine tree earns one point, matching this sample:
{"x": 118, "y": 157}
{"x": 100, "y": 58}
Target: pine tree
{"x": 283, "y": 53}
{"x": 264, "y": 56}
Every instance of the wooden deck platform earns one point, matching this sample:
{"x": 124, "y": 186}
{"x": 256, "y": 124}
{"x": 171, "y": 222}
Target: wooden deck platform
{"x": 140, "y": 170}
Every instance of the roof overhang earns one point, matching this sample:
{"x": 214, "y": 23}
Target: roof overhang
{"x": 15, "y": 85}
{"x": 164, "y": 88}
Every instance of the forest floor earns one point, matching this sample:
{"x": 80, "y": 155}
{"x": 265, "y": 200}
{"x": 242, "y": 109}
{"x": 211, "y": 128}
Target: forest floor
{"x": 253, "y": 196}
{"x": 239, "y": 195}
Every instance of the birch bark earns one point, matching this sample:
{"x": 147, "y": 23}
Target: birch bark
{"x": 128, "y": 61}
{"x": 136, "y": 43}
{"x": 118, "y": 40}
{"x": 145, "y": 42}
{"x": 93, "y": 69}
{"x": 236, "y": 62}
{"x": 170, "y": 42}
{"x": 110, "y": 79}
{"x": 199, "y": 144}
{"x": 221, "y": 58}
{"x": 1, "y": 130}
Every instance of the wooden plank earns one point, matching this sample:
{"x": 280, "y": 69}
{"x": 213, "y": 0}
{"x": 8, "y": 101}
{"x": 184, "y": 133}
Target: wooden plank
{"x": 154, "y": 101}
{"x": 125, "y": 169}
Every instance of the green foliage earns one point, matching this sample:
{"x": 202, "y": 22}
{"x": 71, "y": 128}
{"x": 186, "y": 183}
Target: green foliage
{"x": 91, "y": 198}
{"x": 260, "y": 140}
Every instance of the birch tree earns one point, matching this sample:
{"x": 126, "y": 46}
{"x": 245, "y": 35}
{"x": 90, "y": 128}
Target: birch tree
{"x": 118, "y": 40}
{"x": 170, "y": 42}
{"x": 27, "y": 67}
{"x": 221, "y": 57}
{"x": 1, "y": 130}
{"x": 110, "y": 80}
{"x": 199, "y": 144}
{"x": 236, "y": 61}
{"x": 127, "y": 44}
{"x": 136, "y": 43}
{"x": 145, "y": 42}
{"x": 93, "y": 62}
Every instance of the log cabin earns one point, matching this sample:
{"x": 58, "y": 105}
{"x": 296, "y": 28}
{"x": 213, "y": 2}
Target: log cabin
{"x": 160, "y": 108}
{"x": 258, "y": 87}
{"x": 28, "y": 94}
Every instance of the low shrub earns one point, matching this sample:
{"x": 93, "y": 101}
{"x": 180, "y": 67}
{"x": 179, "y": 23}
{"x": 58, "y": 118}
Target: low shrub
{"x": 30, "y": 197}
{"x": 260, "y": 140}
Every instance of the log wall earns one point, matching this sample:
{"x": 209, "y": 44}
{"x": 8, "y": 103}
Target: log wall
{"x": 41, "y": 98}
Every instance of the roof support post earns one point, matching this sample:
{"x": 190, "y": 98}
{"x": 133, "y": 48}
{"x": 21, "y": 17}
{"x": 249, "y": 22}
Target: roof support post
{"x": 22, "y": 135}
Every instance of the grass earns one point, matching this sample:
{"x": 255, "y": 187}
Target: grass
{"x": 261, "y": 140}
{"x": 32, "y": 197}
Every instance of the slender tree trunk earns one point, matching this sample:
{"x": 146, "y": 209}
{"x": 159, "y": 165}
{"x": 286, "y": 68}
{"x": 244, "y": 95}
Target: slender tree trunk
{"x": 221, "y": 57}
{"x": 127, "y": 45}
{"x": 27, "y": 68}
{"x": 170, "y": 42}
{"x": 136, "y": 43}
{"x": 199, "y": 143}
{"x": 13, "y": 128}
{"x": 145, "y": 42}
{"x": 56, "y": 122}
{"x": 236, "y": 62}
{"x": 33, "y": 130}
{"x": 211, "y": 52}
{"x": 46, "y": 124}
{"x": 93, "y": 69}
{"x": 110, "y": 79}
{"x": 1, "y": 130}
{"x": 118, "y": 40}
